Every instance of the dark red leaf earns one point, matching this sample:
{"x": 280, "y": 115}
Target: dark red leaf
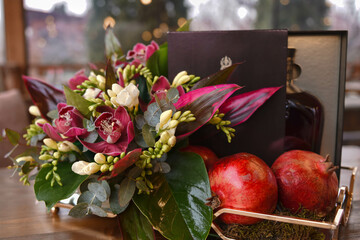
{"x": 43, "y": 95}
{"x": 217, "y": 78}
{"x": 238, "y": 109}
{"x": 203, "y": 103}
{"x": 123, "y": 164}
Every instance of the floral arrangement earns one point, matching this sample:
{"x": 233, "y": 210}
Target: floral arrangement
{"x": 117, "y": 134}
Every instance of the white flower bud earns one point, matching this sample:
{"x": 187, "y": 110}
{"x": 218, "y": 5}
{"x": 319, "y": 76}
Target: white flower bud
{"x": 91, "y": 93}
{"x": 34, "y": 110}
{"x": 172, "y": 141}
{"x": 183, "y": 80}
{"x": 173, "y": 123}
{"x": 40, "y": 121}
{"x": 72, "y": 146}
{"x": 50, "y": 143}
{"x": 100, "y": 158}
{"x": 164, "y": 137}
{"x": 165, "y": 117}
{"x": 177, "y": 77}
{"x": 100, "y": 79}
{"x": 63, "y": 147}
{"x": 25, "y": 159}
{"x": 85, "y": 168}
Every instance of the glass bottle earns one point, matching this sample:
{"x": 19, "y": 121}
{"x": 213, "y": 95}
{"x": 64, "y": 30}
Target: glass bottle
{"x": 304, "y": 113}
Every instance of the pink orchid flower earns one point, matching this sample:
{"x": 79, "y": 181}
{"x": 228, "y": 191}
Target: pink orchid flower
{"x": 115, "y": 128}
{"x": 141, "y": 53}
{"x": 69, "y": 123}
{"x": 78, "y": 79}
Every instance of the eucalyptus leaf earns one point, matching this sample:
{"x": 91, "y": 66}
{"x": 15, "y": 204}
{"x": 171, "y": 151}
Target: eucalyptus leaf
{"x": 152, "y": 114}
{"x": 89, "y": 124}
{"x": 179, "y": 195}
{"x": 89, "y": 197}
{"x": 126, "y": 191}
{"x": 80, "y": 210}
{"x": 139, "y": 138}
{"x": 134, "y": 225}
{"x": 98, "y": 190}
{"x": 77, "y": 101}
{"x": 91, "y": 138}
{"x": 98, "y": 211}
{"x": 148, "y": 134}
{"x": 165, "y": 167}
{"x": 72, "y": 157}
{"x": 134, "y": 172}
{"x": 114, "y": 200}
{"x": 173, "y": 95}
{"x": 84, "y": 185}
{"x": 106, "y": 186}
{"x": 12, "y": 136}
{"x": 51, "y": 195}
{"x": 164, "y": 103}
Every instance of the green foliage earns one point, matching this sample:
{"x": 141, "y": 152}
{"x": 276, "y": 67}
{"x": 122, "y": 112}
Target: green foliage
{"x": 12, "y": 136}
{"x": 152, "y": 114}
{"x": 126, "y": 191}
{"x": 179, "y": 195}
{"x": 112, "y": 46}
{"x": 110, "y": 78}
{"x": 77, "y": 101}
{"x": 51, "y": 195}
{"x": 83, "y": 209}
{"x": 157, "y": 63}
{"x": 148, "y": 134}
{"x": 134, "y": 225}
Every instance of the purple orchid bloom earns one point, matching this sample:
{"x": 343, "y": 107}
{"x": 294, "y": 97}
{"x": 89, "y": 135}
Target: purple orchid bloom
{"x": 115, "y": 128}
{"x": 78, "y": 79}
{"x": 69, "y": 123}
{"x": 141, "y": 53}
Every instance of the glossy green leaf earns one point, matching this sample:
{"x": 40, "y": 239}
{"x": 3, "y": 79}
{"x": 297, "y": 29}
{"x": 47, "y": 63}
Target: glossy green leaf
{"x": 158, "y": 62}
{"x": 143, "y": 89}
{"x": 126, "y": 191}
{"x": 77, "y": 101}
{"x": 134, "y": 225}
{"x": 110, "y": 78}
{"x": 217, "y": 78}
{"x": 51, "y": 195}
{"x": 179, "y": 195}
{"x": 13, "y": 136}
{"x": 185, "y": 27}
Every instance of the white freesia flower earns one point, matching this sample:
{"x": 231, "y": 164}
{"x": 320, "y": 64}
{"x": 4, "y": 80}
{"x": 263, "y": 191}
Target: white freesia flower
{"x": 91, "y": 93}
{"x": 100, "y": 158}
{"x": 34, "y": 110}
{"x": 25, "y": 159}
{"x": 165, "y": 118}
{"x": 85, "y": 168}
{"x": 126, "y": 97}
{"x": 67, "y": 146}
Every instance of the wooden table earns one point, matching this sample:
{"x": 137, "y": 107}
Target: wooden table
{"x": 21, "y": 217}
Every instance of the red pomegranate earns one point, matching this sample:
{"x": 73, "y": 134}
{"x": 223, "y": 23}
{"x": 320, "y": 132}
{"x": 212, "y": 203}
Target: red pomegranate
{"x": 207, "y": 154}
{"x": 306, "y": 179}
{"x": 243, "y": 181}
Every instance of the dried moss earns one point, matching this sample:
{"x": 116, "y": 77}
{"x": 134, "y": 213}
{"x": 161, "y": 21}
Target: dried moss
{"x": 272, "y": 230}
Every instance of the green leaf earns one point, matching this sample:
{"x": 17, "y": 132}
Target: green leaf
{"x": 143, "y": 89}
{"x": 134, "y": 225}
{"x": 13, "y": 136}
{"x": 98, "y": 211}
{"x": 126, "y": 191}
{"x": 112, "y": 46}
{"x": 173, "y": 95}
{"x": 89, "y": 197}
{"x": 148, "y": 133}
{"x": 217, "y": 78}
{"x": 51, "y": 195}
{"x": 77, "y": 101}
{"x": 98, "y": 190}
{"x": 185, "y": 27}
{"x": 158, "y": 62}
{"x": 110, "y": 78}
{"x": 180, "y": 196}
{"x": 152, "y": 114}
{"x": 114, "y": 200}
{"x": 53, "y": 114}
{"x": 26, "y": 168}
{"x": 80, "y": 210}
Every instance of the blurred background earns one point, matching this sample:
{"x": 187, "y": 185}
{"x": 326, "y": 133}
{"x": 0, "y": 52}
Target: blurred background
{"x": 53, "y": 39}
